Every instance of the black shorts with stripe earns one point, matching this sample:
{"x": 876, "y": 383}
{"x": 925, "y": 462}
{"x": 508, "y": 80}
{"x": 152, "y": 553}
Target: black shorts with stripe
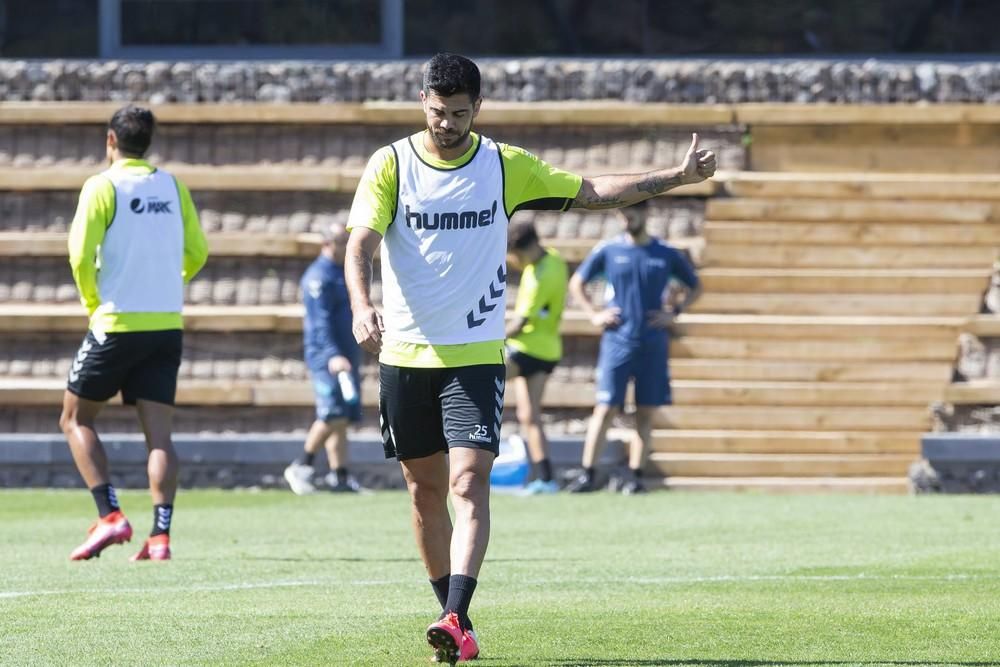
{"x": 142, "y": 365}
{"x": 423, "y": 411}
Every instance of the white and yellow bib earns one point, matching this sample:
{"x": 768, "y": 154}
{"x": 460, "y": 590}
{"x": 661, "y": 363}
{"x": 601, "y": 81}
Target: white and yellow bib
{"x": 444, "y": 271}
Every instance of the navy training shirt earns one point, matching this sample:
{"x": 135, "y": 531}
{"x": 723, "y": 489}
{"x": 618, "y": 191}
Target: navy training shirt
{"x": 638, "y": 276}
{"x": 326, "y": 330}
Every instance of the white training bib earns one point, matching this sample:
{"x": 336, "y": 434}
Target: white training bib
{"x": 141, "y": 259}
{"x": 444, "y": 257}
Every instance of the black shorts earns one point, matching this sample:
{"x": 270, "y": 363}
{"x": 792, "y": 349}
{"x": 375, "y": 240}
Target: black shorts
{"x": 140, "y": 364}
{"x": 427, "y": 410}
{"x": 528, "y": 365}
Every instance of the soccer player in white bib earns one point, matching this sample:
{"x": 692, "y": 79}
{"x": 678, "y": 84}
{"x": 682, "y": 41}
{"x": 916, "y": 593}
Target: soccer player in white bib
{"x": 436, "y": 204}
{"x": 134, "y": 242}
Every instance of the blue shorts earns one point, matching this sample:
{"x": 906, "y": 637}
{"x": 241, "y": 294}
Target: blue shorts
{"x": 330, "y": 403}
{"x": 645, "y": 362}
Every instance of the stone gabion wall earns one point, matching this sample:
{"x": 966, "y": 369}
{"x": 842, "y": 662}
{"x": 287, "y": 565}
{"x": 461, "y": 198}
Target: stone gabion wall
{"x": 531, "y": 80}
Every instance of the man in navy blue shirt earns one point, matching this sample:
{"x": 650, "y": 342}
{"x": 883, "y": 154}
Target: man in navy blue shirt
{"x": 638, "y": 271}
{"x": 334, "y": 361}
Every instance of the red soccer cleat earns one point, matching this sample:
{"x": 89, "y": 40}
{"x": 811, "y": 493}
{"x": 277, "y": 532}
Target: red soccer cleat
{"x": 446, "y": 637}
{"x": 155, "y": 548}
{"x": 452, "y": 644}
{"x": 112, "y": 529}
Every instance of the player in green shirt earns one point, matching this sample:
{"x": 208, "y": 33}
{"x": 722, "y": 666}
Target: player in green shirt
{"x": 534, "y": 345}
{"x": 436, "y": 205}
{"x": 134, "y": 242}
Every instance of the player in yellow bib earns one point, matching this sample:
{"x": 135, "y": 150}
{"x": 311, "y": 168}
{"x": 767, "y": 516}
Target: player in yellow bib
{"x": 134, "y": 243}
{"x": 534, "y": 345}
{"x": 436, "y": 205}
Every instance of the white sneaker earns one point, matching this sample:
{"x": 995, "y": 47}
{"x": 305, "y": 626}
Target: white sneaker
{"x": 299, "y": 477}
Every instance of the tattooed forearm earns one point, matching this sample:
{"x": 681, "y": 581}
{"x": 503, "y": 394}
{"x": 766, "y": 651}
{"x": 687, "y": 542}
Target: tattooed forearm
{"x": 358, "y": 273}
{"x": 597, "y": 201}
{"x": 654, "y": 184}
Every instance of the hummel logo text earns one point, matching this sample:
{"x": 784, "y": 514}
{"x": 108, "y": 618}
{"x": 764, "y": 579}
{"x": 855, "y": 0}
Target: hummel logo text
{"x": 451, "y": 219}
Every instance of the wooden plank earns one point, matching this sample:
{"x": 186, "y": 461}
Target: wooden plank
{"x": 910, "y": 331}
{"x": 849, "y": 281}
{"x": 515, "y": 113}
{"x": 984, "y": 325}
{"x": 778, "y": 113}
{"x": 813, "y": 210}
{"x": 240, "y": 178}
{"x": 937, "y": 185}
{"x": 221, "y": 244}
{"x": 974, "y": 392}
{"x": 808, "y": 371}
{"x": 845, "y": 348}
{"x": 712, "y": 392}
{"x": 720, "y": 232}
{"x": 877, "y": 157}
{"x": 899, "y": 485}
{"x": 782, "y": 442}
{"x": 759, "y": 254}
{"x": 793, "y": 418}
{"x": 837, "y": 304}
{"x": 937, "y": 148}
{"x": 780, "y": 465}
{"x": 575, "y": 112}
{"x": 927, "y": 136}
{"x": 798, "y": 328}
{"x": 197, "y": 177}
{"x": 243, "y": 244}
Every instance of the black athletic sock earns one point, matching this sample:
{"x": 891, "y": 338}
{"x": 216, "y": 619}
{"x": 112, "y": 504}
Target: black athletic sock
{"x": 460, "y": 590}
{"x": 162, "y": 514}
{"x": 341, "y": 475}
{"x": 441, "y": 589}
{"x": 306, "y": 459}
{"x": 107, "y": 501}
{"x": 636, "y": 473}
{"x": 589, "y": 472}
{"x": 543, "y": 470}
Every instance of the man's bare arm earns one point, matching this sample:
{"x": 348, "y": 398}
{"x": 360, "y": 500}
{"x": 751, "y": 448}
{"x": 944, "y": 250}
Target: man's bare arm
{"x": 618, "y": 190}
{"x": 360, "y": 257}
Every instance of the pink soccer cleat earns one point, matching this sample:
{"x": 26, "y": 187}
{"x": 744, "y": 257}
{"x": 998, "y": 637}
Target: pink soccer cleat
{"x": 452, "y": 644}
{"x": 446, "y": 637}
{"x": 112, "y": 529}
{"x": 155, "y": 548}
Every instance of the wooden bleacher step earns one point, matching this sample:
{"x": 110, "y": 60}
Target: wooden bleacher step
{"x": 689, "y": 464}
{"x": 792, "y": 418}
{"x": 896, "y": 485}
{"x": 784, "y": 442}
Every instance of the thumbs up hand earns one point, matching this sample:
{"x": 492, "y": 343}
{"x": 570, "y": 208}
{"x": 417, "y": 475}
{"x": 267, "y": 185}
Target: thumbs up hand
{"x": 698, "y": 164}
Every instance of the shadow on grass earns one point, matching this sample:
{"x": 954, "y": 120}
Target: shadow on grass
{"x": 673, "y": 662}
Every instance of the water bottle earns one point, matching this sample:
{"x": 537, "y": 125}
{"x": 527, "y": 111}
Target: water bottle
{"x": 347, "y": 389}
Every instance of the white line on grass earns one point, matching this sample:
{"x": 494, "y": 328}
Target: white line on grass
{"x": 222, "y": 588}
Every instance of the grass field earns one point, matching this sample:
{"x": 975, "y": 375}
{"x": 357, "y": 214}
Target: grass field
{"x": 666, "y": 579}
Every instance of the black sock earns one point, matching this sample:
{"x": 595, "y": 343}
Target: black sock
{"x": 441, "y": 589}
{"x": 636, "y": 473}
{"x": 341, "y": 475}
{"x": 306, "y": 459}
{"x": 589, "y": 472}
{"x": 460, "y": 590}
{"x": 543, "y": 470}
{"x": 107, "y": 501}
{"x": 162, "y": 514}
